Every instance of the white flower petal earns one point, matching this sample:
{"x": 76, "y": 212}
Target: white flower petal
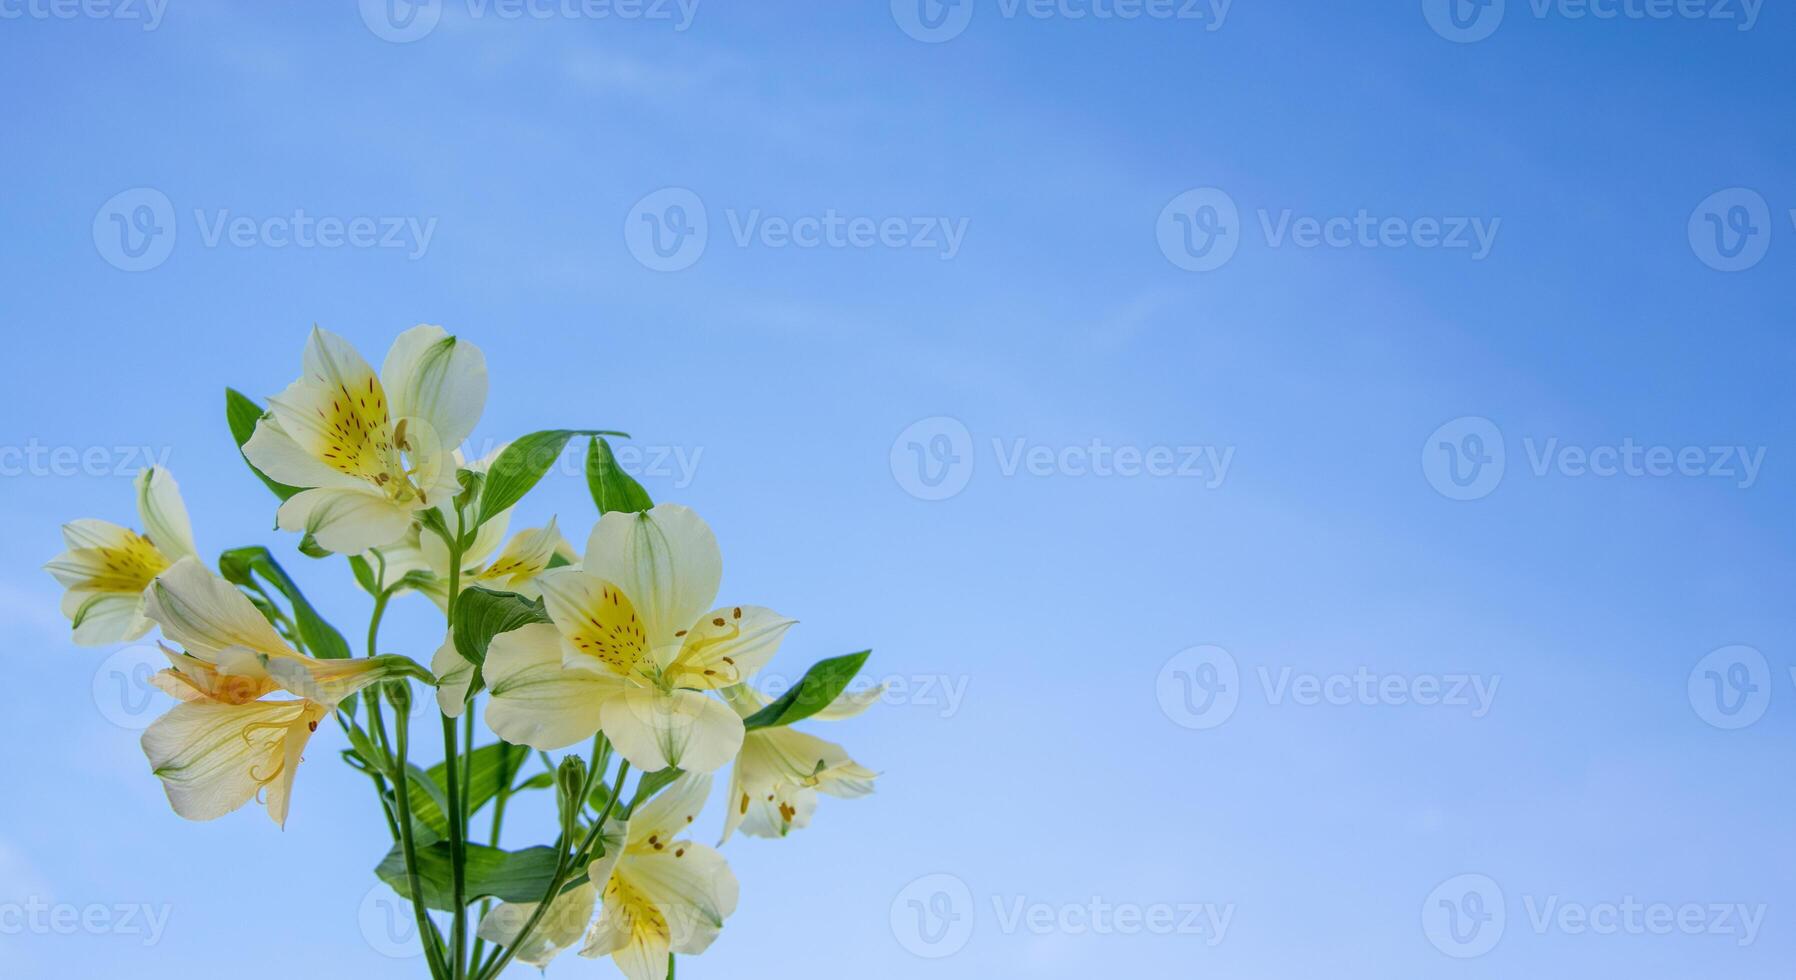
{"x": 347, "y": 430}
{"x": 454, "y": 676}
{"x": 560, "y": 928}
{"x": 100, "y": 618}
{"x": 276, "y": 455}
{"x": 213, "y": 757}
{"x": 666, "y": 560}
{"x": 164, "y": 514}
{"x": 430, "y": 375}
{"x": 670, "y": 812}
{"x": 91, "y": 532}
{"x": 600, "y": 627}
{"x": 691, "y": 885}
{"x": 207, "y": 615}
{"x": 681, "y": 728}
{"x": 728, "y": 645}
{"x": 535, "y": 700}
{"x": 347, "y": 522}
{"x": 332, "y": 362}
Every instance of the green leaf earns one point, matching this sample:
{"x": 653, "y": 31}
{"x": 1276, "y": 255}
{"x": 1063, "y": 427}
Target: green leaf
{"x": 242, "y": 414}
{"x": 310, "y": 547}
{"x": 489, "y": 768}
{"x": 364, "y": 575}
{"x": 522, "y": 464}
{"x": 365, "y": 749}
{"x": 612, "y": 488}
{"x": 651, "y": 784}
{"x": 510, "y": 876}
{"x": 243, "y": 565}
{"x": 823, "y": 683}
{"x": 481, "y": 614}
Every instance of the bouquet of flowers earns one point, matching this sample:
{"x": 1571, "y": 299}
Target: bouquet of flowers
{"x": 622, "y": 647}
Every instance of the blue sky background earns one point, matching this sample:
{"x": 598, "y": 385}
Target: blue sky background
{"x": 1051, "y": 602}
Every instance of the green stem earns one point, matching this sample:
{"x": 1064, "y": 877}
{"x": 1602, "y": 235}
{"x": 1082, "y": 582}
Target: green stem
{"x": 458, "y": 857}
{"x": 376, "y": 720}
{"x": 563, "y": 871}
{"x": 426, "y": 930}
{"x": 458, "y": 818}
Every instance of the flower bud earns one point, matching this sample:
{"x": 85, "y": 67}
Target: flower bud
{"x": 570, "y": 782}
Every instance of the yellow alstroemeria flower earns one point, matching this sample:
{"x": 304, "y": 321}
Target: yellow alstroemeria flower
{"x": 633, "y": 649}
{"x": 525, "y": 556}
{"x": 779, "y": 772}
{"x": 107, "y": 567}
{"x": 370, "y": 451}
{"x": 225, "y": 743}
{"x": 656, "y": 893}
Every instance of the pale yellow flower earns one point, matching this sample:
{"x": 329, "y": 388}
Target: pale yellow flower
{"x": 633, "y": 648}
{"x": 226, "y": 742}
{"x": 656, "y": 893}
{"x": 370, "y": 451}
{"x": 107, "y": 567}
{"x": 779, "y": 772}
